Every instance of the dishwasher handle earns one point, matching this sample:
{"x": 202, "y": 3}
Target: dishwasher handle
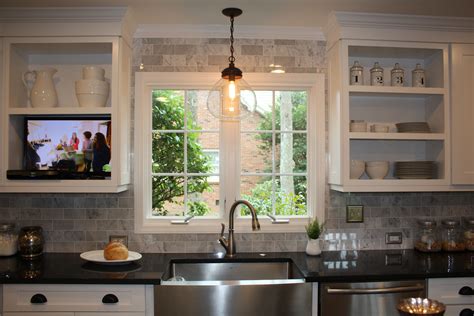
{"x": 386, "y": 290}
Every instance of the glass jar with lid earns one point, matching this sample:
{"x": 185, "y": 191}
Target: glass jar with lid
{"x": 8, "y": 239}
{"x": 469, "y": 235}
{"x": 428, "y": 239}
{"x": 452, "y": 237}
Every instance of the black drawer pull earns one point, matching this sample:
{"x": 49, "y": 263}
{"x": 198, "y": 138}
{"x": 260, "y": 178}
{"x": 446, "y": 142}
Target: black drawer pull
{"x": 466, "y": 290}
{"x": 110, "y": 299}
{"x": 38, "y": 299}
{"x": 466, "y": 312}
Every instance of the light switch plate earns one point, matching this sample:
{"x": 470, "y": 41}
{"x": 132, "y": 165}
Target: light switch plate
{"x": 393, "y": 238}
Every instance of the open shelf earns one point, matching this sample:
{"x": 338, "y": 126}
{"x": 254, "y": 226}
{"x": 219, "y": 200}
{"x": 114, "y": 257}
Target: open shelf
{"x": 397, "y": 136}
{"x": 394, "y": 91}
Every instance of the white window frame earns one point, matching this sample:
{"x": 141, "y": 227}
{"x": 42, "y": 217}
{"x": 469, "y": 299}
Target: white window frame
{"x": 146, "y": 82}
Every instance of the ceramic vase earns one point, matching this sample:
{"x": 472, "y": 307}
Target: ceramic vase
{"x": 313, "y": 248}
{"x": 92, "y": 90}
{"x": 43, "y": 93}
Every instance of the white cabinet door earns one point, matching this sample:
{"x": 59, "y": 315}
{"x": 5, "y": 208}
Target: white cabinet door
{"x": 455, "y": 310}
{"x": 462, "y": 102}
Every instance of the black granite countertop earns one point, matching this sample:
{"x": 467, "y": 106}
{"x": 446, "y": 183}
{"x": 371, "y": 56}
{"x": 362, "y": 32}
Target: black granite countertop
{"x": 334, "y": 266}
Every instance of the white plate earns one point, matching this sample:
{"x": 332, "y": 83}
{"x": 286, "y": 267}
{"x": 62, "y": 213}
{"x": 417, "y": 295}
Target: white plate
{"x": 97, "y": 256}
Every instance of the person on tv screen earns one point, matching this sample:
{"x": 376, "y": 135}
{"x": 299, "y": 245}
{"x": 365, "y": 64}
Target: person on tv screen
{"x": 87, "y": 150}
{"x": 101, "y": 151}
{"x": 74, "y": 141}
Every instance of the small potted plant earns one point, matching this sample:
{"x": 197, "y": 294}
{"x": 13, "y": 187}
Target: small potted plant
{"x": 314, "y": 229}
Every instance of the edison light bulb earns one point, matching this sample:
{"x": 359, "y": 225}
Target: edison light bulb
{"x": 231, "y": 100}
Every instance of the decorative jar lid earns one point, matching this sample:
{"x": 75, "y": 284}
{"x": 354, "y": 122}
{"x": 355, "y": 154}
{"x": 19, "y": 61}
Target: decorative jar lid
{"x": 376, "y": 68}
{"x": 418, "y": 69}
{"x": 397, "y": 69}
{"x": 356, "y": 66}
{"x": 450, "y": 223}
{"x": 427, "y": 223}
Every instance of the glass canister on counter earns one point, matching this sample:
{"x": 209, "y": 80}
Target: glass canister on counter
{"x": 469, "y": 235}
{"x": 452, "y": 237}
{"x": 8, "y": 239}
{"x": 30, "y": 242}
{"x": 428, "y": 238}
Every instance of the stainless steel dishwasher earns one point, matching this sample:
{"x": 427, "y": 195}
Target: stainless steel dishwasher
{"x": 231, "y": 288}
{"x": 367, "y": 298}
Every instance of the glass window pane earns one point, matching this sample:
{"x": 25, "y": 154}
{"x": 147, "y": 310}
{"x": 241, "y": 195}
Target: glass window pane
{"x": 290, "y": 152}
{"x": 199, "y": 117}
{"x": 199, "y": 145}
{"x": 256, "y": 152}
{"x": 203, "y": 197}
{"x": 168, "y": 196}
{"x": 168, "y": 152}
{"x": 290, "y": 110}
{"x": 258, "y": 191}
{"x": 168, "y": 109}
{"x": 290, "y": 195}
{"x": 262, "y": 118}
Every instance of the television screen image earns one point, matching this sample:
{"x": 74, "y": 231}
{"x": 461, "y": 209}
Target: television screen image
{"x": 68, "y": 144}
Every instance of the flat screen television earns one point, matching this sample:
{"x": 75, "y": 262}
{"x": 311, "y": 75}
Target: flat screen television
{"x": 68, "y": 145}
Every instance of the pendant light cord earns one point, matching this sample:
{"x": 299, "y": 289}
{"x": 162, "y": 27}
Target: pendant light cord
{"x": 231, "y": 57}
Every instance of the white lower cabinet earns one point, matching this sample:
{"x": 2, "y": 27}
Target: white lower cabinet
{"x": 76, "y": 300}
{"x": 447, "y": 291}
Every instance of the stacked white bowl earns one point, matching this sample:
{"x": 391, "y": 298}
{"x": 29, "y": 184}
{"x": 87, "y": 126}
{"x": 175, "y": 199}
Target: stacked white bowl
{"x": 377, "y": 169}
{"x": 357, "y": 169}
{"x": 92, "y": 91}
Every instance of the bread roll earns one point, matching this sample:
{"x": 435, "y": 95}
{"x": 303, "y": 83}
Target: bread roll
{"x": 115, "y": 251}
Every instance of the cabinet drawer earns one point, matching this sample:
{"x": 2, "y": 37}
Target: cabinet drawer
{"x": 64, "y": 298}
{"x": 455, "y": 310}
{"x": 447, "y": 290}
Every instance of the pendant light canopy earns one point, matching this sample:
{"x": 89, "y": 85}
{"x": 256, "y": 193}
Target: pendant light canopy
{"x": 231, "y": 98}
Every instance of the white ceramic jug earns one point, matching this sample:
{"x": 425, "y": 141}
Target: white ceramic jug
{"x": 43, "y": 94}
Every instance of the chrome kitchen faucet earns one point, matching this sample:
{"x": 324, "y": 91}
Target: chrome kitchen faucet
{"x": 229, "y": 243}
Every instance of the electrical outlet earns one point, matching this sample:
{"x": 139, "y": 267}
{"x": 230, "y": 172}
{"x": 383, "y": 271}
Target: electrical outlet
{"x": 393, "y": 238}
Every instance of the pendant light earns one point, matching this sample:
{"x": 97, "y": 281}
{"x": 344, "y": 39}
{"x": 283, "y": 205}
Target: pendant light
{"x": 231, "y": 98}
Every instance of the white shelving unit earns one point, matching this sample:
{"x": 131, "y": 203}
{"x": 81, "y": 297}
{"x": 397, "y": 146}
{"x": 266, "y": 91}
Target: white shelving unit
{"x": 67, "y": 46}
{"x": 388, "y": 105}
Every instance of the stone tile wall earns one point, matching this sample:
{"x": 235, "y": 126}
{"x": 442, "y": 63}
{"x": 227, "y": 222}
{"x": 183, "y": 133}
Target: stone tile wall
{"x": 80, "y": 222}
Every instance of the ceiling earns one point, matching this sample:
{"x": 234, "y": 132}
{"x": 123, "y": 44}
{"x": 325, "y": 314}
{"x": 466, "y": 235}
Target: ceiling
{"x": 310, "y": 13}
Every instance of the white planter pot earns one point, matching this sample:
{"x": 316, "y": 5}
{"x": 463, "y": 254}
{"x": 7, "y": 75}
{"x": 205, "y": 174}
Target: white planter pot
{"x": 313, "y": 248}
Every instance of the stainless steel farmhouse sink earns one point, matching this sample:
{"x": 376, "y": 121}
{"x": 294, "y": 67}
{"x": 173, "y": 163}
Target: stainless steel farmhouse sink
{"x": 257, "y": 287}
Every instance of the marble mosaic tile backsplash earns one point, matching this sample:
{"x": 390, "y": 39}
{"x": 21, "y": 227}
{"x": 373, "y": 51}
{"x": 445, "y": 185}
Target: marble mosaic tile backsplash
{"x": 81, "y": 222}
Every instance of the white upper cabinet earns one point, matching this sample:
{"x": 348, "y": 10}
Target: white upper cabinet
{"x": 387, "y": 40}
{"x": 462, "y": 100}
{"x": 66, "y": 40}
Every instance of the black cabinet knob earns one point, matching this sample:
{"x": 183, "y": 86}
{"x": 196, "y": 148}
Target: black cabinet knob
{"x": 38, "y": 299}
{"x": 466, "y": 290}
{"x": 110, "y": 299}
{"x": 466, "y": 312}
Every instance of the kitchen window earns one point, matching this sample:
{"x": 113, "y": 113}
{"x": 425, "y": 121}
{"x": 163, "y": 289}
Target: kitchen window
{"x": 190, "y": 164}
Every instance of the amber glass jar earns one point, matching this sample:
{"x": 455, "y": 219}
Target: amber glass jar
{"x": 428, "y": 239}
{"x": 452, "y": 237}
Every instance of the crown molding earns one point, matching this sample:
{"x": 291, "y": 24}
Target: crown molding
{"x": 62, "y": 14}
{"x": 221, "y": 31}
{"x": 359, "y": 25}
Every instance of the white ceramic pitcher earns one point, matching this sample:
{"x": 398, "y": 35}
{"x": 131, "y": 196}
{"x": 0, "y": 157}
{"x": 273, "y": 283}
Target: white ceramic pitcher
{"x": 43, "y": 94}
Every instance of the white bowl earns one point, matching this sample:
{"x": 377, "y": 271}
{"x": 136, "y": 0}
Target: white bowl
{"x": 92, "y": 86}
{"x": 377, "y": 169}
{"x": 357, "y": 169}
{"x": 90, "y": 100}
{"x": 379, "y": 128}
{"x": 358, "y": 127}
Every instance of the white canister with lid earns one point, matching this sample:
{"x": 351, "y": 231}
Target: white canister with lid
{"x": 418, "y": 77}
{"x": 398, "y": 76}
{"x": 356, "y": 72}
{"x": 376, "y": 75}
{"x": 8, "y": 239}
